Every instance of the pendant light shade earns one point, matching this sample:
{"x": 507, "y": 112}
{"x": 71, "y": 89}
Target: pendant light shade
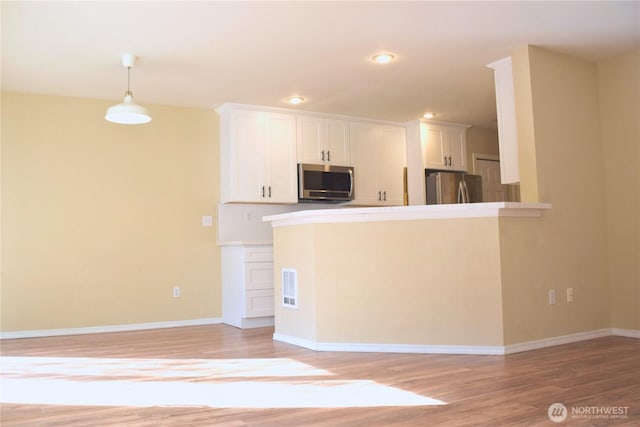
{"x": 128, "y": 112}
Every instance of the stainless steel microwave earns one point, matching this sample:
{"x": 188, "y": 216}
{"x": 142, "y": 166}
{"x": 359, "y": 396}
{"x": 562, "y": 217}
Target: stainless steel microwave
{"x": 325, "y": 183}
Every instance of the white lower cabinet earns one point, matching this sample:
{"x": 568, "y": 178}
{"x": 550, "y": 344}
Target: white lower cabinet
{"x": 247, "y": 286}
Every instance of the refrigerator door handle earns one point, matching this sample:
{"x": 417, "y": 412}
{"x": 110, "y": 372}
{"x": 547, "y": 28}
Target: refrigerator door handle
{"x": 466, "y": 193}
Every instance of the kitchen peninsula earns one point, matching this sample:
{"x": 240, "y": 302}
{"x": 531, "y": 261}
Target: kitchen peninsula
{"x": 404, "y": 279}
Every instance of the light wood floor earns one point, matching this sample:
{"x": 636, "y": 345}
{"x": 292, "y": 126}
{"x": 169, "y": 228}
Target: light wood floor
{"x": 174, "y": 371}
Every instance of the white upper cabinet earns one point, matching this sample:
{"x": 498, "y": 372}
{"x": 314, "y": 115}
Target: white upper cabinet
{"x": 379, "y": 159}
{"x": 444, "y": 146}
{"x": 261, "y": 146}
{"x": 364, "y": 146}
{"x": 507, "y": 130}
{"x": 433, "y": 145}
{"x": 257, "y": 156}
{"x": 323, "y": 141}
{"x": 280, "y": 175}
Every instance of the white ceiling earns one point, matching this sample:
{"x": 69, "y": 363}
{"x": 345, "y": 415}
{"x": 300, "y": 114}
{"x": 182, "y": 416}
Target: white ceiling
{"x": 205, "y": 53}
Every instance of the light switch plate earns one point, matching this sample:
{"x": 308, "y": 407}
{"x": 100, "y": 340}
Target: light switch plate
{"x": 207, "y": 221}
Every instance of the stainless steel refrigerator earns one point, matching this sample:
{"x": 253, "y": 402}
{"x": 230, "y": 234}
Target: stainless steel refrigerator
{"x": 453, "y": 187}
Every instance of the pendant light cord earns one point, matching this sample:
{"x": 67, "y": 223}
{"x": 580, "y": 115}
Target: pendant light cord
{"x": 128, "y": 82}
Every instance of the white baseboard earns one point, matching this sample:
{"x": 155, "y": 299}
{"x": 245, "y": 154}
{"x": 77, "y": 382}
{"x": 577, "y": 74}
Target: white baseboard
{"x": 390, "y": 348}
{"x": 553, "y": 341}
{"x": 300, "y": 342}
{"x": 456, "y": 349}
{"x": 630, "y": 333}
{"x": 249, "y": 322}
{"x": 344, "y": 347}
{"x": 257, "y": 322}
{"x": 111, "y": 328}
{"x": 413, "y": 348}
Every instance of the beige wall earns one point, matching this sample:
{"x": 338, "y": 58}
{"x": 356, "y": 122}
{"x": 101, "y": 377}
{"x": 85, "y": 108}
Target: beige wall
{"x": 534, "y": 261}
{"x": 432, "y": 282}
{"x": 525, "y": 129}
{"x": 619, "y": 82}
{"x": 568, "y": 247}
{"x": 100, "y": 221}
{"x": 294, "y": 247}
{"x": 481, "y": 141}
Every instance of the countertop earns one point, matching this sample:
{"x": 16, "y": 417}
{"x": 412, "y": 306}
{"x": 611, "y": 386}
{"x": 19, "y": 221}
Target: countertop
{"x": 246, "y": 243}
{"x": 406, "y": 213}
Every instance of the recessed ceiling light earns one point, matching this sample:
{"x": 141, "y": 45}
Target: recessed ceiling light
{"x": 383, "y": 58}
{"x": 429, "y": 115}
{"x": 295, "y": 100}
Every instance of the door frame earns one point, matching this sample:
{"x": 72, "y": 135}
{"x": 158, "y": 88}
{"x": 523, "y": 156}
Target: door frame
{"x": 480, "y": 156}
{"x": 513, "y": 190}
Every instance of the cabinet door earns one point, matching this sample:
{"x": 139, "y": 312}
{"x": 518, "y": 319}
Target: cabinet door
{"x": 457, "y": 149}
{"x": 259, "y": 303}
{"x": 310, "y": 136}
{"x": 392, "y": 149}
{"x": 258, "y": 275}
{"x": 365, "y": 157}
{"x": 280, "y": 159}
{"x": 337, "y": 147}
{"x": 247, "y": 152}
{"x": 434, "y": 140}
{"x": 258, "y": 289}
{"x": 323, "y": 141}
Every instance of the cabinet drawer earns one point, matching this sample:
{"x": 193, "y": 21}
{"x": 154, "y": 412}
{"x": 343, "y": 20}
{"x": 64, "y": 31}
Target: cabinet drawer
{"x": 261, "y": 254}
{"x": 259, "y": 303}
{"x": 258, "y": 275}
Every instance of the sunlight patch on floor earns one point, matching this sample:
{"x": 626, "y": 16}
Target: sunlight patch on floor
{"x": 161, "y": 368}
{"x": 216, "y": 383}
{"x": 233, "y": 394}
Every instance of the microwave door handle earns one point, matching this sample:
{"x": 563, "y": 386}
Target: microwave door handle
{"x": 350, "y": 182}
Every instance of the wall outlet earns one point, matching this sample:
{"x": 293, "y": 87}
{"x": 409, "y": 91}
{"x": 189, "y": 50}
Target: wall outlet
{"x": 207, "y": 221}
{"x": 176, "y": 291}
{"x": 552, "y": 296}
{"x": 569, "y": 294}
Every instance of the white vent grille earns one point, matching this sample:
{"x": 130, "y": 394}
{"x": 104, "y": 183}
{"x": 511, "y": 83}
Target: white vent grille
{"x": 289, "y": 288}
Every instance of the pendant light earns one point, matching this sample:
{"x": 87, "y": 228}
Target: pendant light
{"x": 128, "y": 113}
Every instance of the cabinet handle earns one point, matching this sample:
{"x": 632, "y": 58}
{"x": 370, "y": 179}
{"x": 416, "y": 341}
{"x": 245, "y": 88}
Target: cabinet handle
{"x": 385, "y": 195}
{"x": 445, "y": 160}
{"x": 323, "y": 155}
{"x": 449, "y": 160}
{"x": 269, "y": 191}
{"x": 263, "y": 191}
{"x": 379, "y": 195}
{"x": 328, "y": 155}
